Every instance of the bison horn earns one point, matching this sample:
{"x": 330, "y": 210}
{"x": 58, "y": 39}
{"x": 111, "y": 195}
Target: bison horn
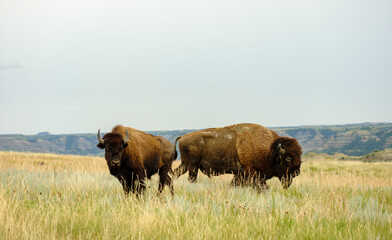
{"x": 100, "y": 140}
{"x": 280, "y": 149}
{"x": 126, "y": 136}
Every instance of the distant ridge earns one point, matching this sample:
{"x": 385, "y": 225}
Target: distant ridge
{"x": 351, "y": 139}
{"x": 337, "y": 125}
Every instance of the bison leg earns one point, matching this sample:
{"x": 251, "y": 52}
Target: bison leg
{"x": 127, "y": 183}
{"x": 260, "y": 184}
{"x": 164, "y": 179}
{"x": 133, "y": 182}
{"x": 240, "y": 179}
{"x": 168, "y": 182}
{"x": 243, "y": 178}
{"x": 139, "y": 182}
{"x": 254, "y": 178}
{"x": 193, "y": 174}
{"x": 237, "y": 181}
{"x": 261, "y": 187}
{"x": 125, "y": 186}
{"x": 180, "y": 170}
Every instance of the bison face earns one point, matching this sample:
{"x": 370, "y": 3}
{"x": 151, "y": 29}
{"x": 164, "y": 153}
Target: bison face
{"x": 285, "y": 154}
{"x": 114, "y": 144}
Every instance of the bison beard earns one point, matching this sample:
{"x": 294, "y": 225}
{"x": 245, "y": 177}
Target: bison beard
{"x": 251, "y": 152}
{"x": 133, "y": 155}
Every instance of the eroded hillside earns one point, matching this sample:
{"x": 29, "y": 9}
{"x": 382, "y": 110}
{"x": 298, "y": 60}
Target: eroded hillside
{"x": 353, "y": 139}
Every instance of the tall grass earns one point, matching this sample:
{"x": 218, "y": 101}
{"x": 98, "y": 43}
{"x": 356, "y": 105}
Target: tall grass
{"x": 46, "y": 196}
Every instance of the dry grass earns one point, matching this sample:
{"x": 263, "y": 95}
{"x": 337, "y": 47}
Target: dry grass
{"x": 45, "y": 196}
{"x": 50, "y": 162}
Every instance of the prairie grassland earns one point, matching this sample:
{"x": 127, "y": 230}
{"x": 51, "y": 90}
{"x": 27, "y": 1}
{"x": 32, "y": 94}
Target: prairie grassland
{"x": 46, "y": 196}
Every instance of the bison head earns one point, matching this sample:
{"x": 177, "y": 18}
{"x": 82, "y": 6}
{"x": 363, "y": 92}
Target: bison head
{"x": 285, "y": 154}
{"x": 113, "y": 143}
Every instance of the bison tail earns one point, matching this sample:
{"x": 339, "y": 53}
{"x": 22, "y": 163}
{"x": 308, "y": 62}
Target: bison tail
{"x": 175, "y": 153}
{"x": 178, "y": 138}
{"x": 175, "y": 148}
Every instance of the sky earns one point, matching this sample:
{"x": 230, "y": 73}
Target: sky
{"x": 77, "y": 66}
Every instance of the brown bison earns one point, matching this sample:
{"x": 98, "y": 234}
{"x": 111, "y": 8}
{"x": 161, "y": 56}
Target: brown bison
{"x": 133, "y": 155}
{"x": 251, "y": 152}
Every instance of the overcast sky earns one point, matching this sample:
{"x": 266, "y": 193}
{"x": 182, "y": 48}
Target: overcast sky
{"x": 78, "y": 65}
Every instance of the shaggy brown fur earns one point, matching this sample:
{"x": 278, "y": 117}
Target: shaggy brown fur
{"x": 141, "y": 156}
{"x": 251, "y": 152}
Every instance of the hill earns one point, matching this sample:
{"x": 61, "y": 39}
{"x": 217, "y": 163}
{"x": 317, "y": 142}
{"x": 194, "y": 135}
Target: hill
{"x": 352, "y": 139}
{"x": 376, "y": 156}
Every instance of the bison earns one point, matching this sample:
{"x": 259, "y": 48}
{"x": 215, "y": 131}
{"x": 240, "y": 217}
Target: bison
{"x": 251, "y": 152}
{"x": 133, "y": 155}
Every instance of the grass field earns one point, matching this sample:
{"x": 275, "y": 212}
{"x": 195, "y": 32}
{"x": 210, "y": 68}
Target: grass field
{"x": 45, "y": 196}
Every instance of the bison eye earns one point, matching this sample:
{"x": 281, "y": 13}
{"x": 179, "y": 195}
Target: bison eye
{"x": 288, "y": 159}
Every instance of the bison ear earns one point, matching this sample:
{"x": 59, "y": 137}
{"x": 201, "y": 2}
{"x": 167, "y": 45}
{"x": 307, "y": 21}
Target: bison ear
{"x": 100, "y": 145}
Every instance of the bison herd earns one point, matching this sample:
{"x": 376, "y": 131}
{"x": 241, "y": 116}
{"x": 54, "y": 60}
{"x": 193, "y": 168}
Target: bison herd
{"x": 252, "y": 153}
